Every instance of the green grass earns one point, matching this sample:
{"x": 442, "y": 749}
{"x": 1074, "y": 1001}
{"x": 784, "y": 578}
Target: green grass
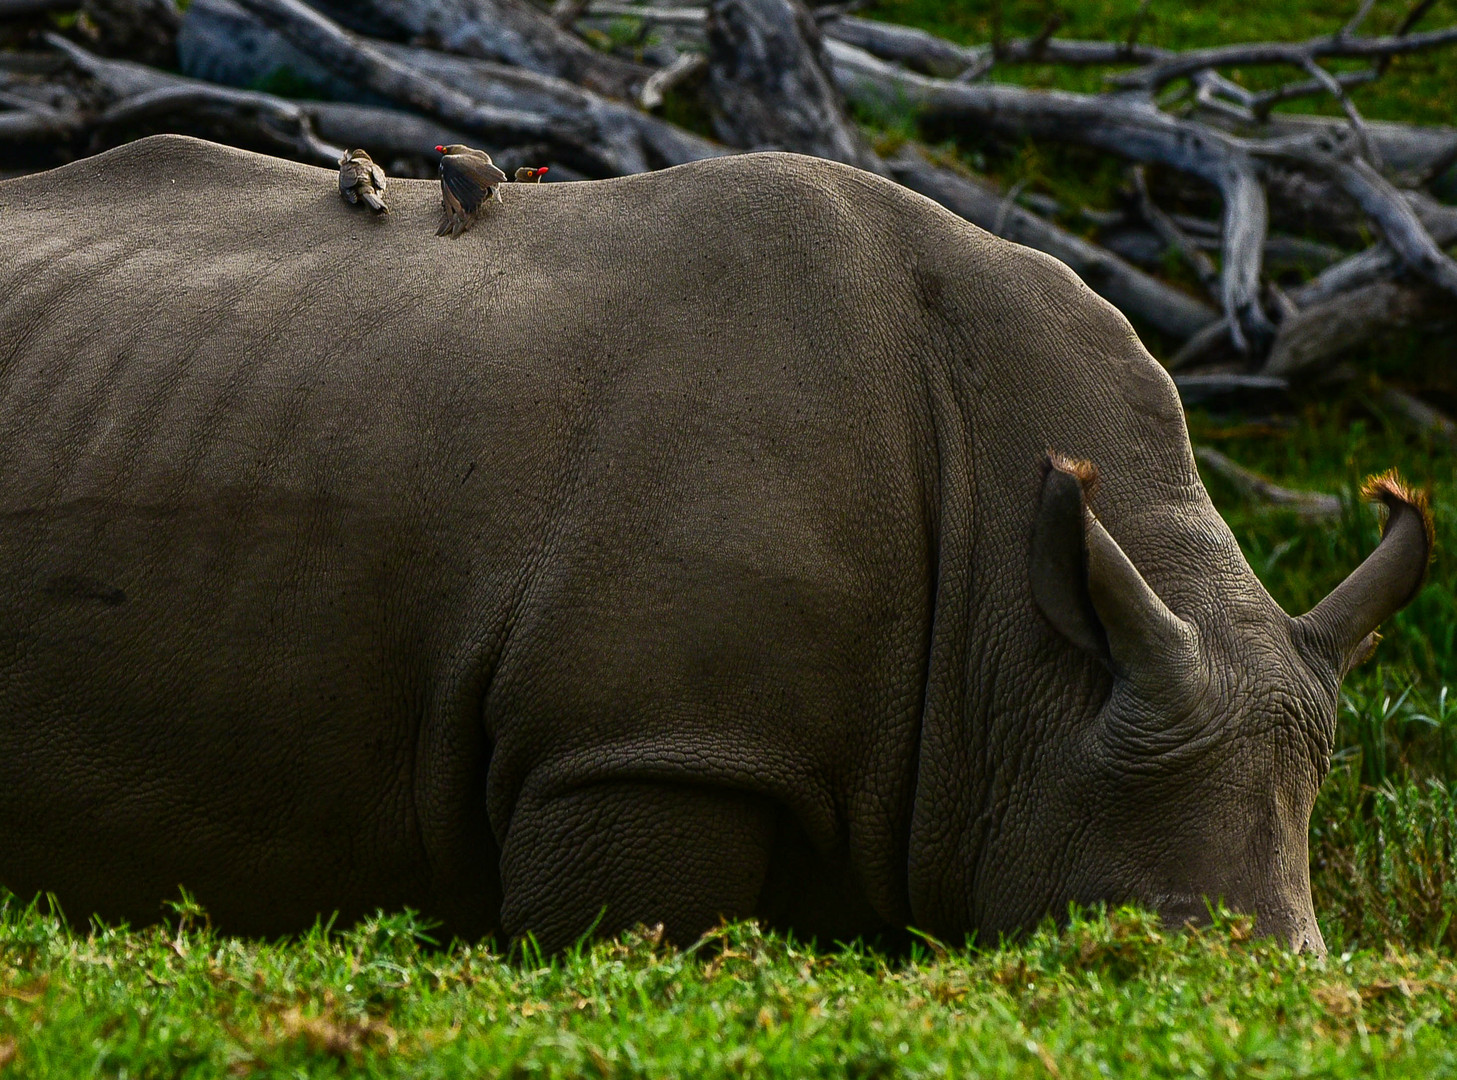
{"x": 1106, "y": 996}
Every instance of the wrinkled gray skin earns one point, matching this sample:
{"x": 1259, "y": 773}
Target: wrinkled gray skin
{"x": 663, "y": 544}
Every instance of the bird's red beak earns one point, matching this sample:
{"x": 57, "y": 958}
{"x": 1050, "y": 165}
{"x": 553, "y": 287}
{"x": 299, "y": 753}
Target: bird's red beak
{"x": 440, "y": 149}
{"x": 543, "y": 168}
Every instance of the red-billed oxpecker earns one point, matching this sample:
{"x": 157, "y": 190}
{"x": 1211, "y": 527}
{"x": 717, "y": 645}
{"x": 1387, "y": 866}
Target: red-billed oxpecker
{"x": 361, "y": 180}
{"x": 467, "y": 179}
{"x": 525, "y": 175}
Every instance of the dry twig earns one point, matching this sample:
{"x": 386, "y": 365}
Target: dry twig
{"x": 1311, "y": 505}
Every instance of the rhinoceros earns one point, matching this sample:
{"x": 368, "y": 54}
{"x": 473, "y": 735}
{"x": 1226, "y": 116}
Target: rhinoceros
{"x": 749, "y": 539}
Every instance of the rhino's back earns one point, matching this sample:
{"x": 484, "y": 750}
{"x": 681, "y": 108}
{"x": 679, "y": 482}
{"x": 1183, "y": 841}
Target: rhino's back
{"x": 280, "y": 481}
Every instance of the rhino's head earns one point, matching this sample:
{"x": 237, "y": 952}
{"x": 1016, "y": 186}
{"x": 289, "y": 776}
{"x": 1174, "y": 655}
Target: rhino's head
{"x": 1197, "y": 779}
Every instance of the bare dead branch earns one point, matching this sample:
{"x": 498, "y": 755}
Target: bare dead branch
{"x": 121, "y": 78}
{"x": 936, "y": 56}
{"x": 1202, "y": 389}
{"x": 1129, "y": 289}
{"x": 1337, "y": 91}
{"x": 1354, "y": 23}
{"x": 356, "y": 60}
{"x": 385, "y": 133}
{"x": 565, "y": 13}
{"x": 693, "y": 17}
{"x": 1418, "y": 414}
{"x": 768, "y": 85}
{"x": 1210, "y": 339}
{"x": 907, "y": 45}
{"x": 284, "y": 118}
{"x": 1263, "y": 102}
{"x": 1310, "y": 505}
{"x": 21, "y": 9}
{"x": 1382, "y": 203}
{"x": 1413, "y": 17}
{"x": 512, "y": 32}
{"x": 146, "y": 93}
{"x": 1317, "y": 335}
{"x": 33, "y": 122}
{"x": 1123, "y": 124}
{"x": 1202, "y": 265}
{"x": 1295, "y": 54}
{"x": 617, "y": 139}
{"x": 687, "y": 66}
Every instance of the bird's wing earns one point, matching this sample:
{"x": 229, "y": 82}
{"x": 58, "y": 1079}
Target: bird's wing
{"x": 489, "y": 173}
{"x": 378, "y": 174}
{"x": 462, "y": 183}
{"x": 448, "y": 202}
{"x": 348, "y": 177}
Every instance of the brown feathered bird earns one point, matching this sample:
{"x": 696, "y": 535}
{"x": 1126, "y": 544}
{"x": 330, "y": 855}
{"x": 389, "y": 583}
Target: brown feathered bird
{"x": 361, "y": 180}
{"x": 530, "y": 176}
{"x": 467, "y": 179}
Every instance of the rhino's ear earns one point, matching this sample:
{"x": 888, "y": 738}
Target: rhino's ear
{"x": 1060, "y": 556}
{"x": 1338, "y": 630}
{"x": 1091, "y": 592}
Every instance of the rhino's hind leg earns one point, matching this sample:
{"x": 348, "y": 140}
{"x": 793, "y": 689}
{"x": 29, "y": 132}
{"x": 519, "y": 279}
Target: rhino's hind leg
{"x": 635, "y": 853}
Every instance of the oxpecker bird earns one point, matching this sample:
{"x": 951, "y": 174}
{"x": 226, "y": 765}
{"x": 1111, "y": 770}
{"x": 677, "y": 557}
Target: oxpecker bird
{"x": 361, "y": 180}
{"x": 530, "y": 176}
{"x": 467, "y": 179}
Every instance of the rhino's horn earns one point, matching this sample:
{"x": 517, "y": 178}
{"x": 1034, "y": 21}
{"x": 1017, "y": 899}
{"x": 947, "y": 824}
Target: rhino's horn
{"x": 1335, "y": 632}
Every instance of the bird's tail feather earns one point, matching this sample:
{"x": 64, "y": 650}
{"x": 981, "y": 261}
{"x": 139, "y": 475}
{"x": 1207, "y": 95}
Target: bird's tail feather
{"x": 375, "y": 203}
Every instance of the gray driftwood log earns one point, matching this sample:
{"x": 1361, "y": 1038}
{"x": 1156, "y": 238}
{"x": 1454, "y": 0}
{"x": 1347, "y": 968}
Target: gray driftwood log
{"x": 768, "y": 85}
{"x": 1127, "y": 125}
{"x": 508, "y": 31}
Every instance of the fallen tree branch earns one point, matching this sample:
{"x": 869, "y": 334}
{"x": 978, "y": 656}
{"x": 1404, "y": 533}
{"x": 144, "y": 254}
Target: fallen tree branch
{"x": 1202, "y": 265}
{"x": 1418, "y": 414}
{"x": 1382, "y": 203}
{"x": 691, "y": 17}
{"x": 385, "y": 133}
{"x": 1379, "y": 261}
{"x": 933, "y": 55}
{"x": 1201, "y": 389}
{"x": 1133, "y": 292}
{"x": 622, "y": 140}
{"x": 358, "y": 61}
{"x": 1262, "y": 103}
{"x": 34, "y": 122}
{"x": 656, "y": 89}
{"x": 1125, "y": 125}
{"x": 144, "y": 93}
{"x": 1295, "y": 54}
{"x": 505, "y": 31}
{"x": 249, "y": 108}
{"x": 768, "y": 86}
{"x": 1310, "y": 505}
{"x": 1358, "y": 125}
{"x": 1315, "y": 336}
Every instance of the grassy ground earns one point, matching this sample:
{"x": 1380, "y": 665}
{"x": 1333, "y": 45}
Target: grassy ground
{"x": 1112, "y": 996}
{"x": 1108, "y": 996}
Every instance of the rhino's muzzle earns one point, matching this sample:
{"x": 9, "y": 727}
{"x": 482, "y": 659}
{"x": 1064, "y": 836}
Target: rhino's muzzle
{"x": 1282, "y": 921}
